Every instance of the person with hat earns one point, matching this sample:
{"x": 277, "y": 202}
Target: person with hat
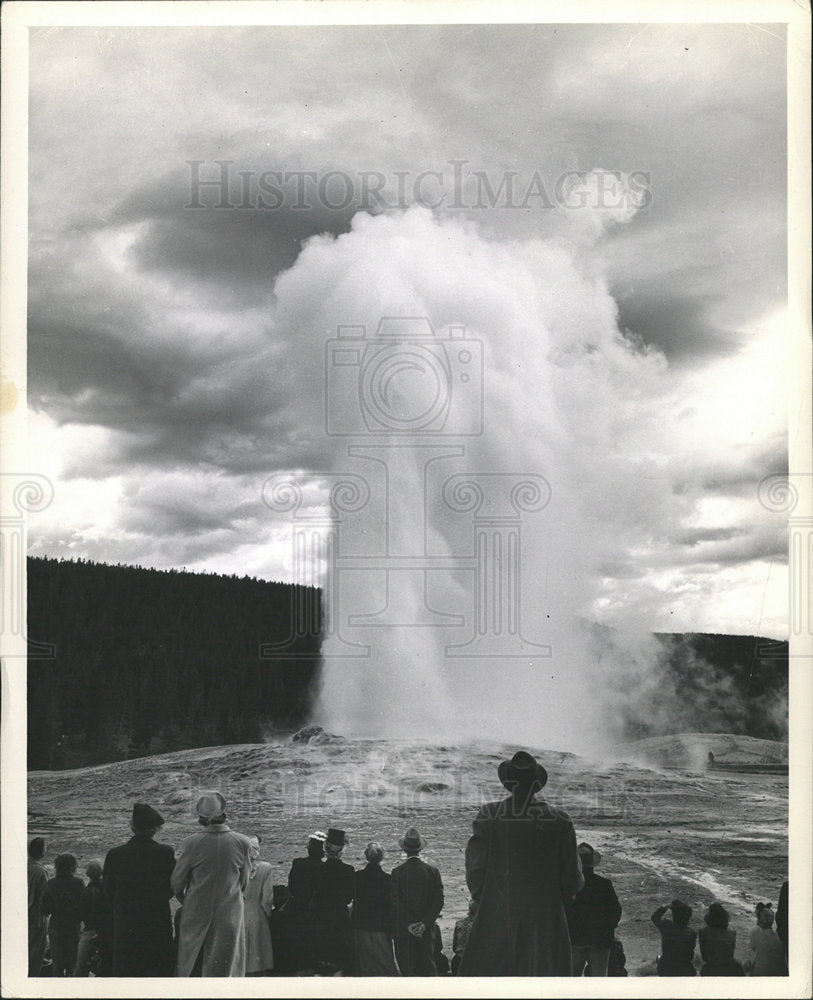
{"x": 417, "y": 899}
{"x": 136, "y": 882}
{"x": 592, "y": 917}
{"x": 521, "y": 865}
{"x": 210, "y": 877}
{"x": 303, "y": 880}
{"x": 333, "y": 894}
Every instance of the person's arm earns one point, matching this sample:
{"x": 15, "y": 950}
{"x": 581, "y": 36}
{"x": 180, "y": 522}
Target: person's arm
{"x": 245, "y": 869}
{"x": 47, "y": 905}
{"x": 571, "y": 879}
{"x": 703, "y": 949}
{"x": 394, "y": 903}
{"x": 109, "y": 879}
{"x": 657, "y": 916}
{"x": 782, "y": 914}
{"x": 181, "y": 872}
{"x": 477, "y": 854}
{"x": 614, "y": 908}
{"x": 267, "y": 894}
{"x": 435, "y": 901}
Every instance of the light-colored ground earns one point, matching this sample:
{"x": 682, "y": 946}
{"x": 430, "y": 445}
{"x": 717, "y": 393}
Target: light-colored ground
{"x": 662, "y": 832}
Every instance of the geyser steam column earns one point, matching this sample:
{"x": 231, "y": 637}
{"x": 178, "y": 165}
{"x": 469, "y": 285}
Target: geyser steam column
{"x": 403, "y": 401}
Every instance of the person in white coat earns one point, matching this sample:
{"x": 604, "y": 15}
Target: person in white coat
{"x": 209, "y": 879}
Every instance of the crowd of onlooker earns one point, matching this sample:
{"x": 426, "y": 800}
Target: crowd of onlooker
{"x": 538, "y": 906}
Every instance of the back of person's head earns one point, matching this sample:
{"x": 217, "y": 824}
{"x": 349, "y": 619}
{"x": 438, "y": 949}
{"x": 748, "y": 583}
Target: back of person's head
{"x": 374, "y": 853}
{"x": 93, "y": 870}
{"x": 333, "y": 850}
{"x": 36, "y": 848}
{"x": 65, "y": 864}
{"x": 765, "y": 915}
{"x": 681, "y": 912}
{"x": 717, "y": 916}
{"x": 316, "y": 845}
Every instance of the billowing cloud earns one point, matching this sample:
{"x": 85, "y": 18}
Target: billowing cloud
{"x": 177, "y": 354}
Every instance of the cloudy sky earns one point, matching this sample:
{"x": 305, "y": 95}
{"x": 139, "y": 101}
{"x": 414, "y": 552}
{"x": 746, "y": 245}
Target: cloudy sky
{"x": 601, "y": 206}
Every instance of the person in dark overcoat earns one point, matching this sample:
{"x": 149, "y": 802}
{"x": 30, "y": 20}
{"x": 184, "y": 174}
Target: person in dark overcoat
{"x": 592, "y": 918}
{"x": 372, "y": 917}
{"x": 303, "y": 879}
{"x": 417, "y": 899}
{"x": 522, "y": 866}
{"x": 334, "y": 893}
{"x": 136, "y": 880}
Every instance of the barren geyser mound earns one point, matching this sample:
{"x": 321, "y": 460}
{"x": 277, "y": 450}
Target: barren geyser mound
{"x": 662, "y": 832}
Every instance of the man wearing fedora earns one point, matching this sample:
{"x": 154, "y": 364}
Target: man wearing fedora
{"x": 136, "y": 881}
{"x": 592, "y": 918}
{"x": 521, "y": 867}
{"x": 417, "y": 899}
{"x": 210, "y": 877}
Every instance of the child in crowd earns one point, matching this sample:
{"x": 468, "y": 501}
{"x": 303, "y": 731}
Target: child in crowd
{"x": 62, "y": 899}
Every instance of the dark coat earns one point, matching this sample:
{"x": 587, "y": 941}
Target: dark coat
{"x": 303, "y": 881}
{"x": 372, "y": 902}
{"x": 62, "y": 899}
{"x": 717, "y": 946}
{"x": 334, "y": 932}
{"x": 136, "y": 882}
{"x": 782, "y": 916}
{"x": 521, "y": 867}
{"x": 677, "y": 946}
{"x": 594, "y": 913}
{"x": 417, "y": 897}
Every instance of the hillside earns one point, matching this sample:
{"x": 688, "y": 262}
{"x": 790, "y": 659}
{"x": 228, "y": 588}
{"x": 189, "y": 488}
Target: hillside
{"x": 148, "y": 661}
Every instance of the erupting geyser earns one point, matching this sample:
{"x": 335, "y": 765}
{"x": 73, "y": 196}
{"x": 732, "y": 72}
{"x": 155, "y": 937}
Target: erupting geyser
{"x": 477, "y": 409}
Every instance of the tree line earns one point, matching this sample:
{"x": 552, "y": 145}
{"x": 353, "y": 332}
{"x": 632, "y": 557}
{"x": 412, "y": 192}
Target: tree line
{"x": 148, "y": 661}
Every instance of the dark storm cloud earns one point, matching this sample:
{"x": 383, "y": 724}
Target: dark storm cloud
{"x": 241, "y": 241}
{"x": 168, "y": 398}
{"x": 676, "y": 324}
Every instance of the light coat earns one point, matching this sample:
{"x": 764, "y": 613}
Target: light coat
{"x": 210, "y": 877}
{"x": 522, "y": 866}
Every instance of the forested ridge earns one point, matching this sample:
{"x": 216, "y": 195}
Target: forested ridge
{"x": 147, "y": 661}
